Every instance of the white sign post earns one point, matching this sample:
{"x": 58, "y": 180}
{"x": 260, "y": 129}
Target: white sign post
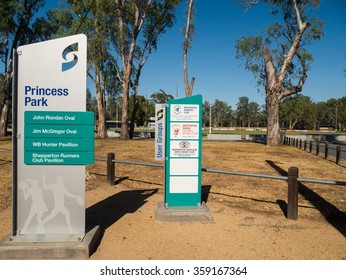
{"x": 51, "y": 95}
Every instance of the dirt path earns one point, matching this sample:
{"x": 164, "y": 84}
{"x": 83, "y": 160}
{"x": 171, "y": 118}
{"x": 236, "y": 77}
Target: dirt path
{"x": 132, "y": 232}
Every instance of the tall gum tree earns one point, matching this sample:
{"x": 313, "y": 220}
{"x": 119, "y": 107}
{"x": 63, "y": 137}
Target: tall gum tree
{"x": 282, "y": 70}
{"x": 18, "y": 26}
{"x": 130, "y": 33}
{"x": 160, "y": 17}
{"x": 90, "y": 17}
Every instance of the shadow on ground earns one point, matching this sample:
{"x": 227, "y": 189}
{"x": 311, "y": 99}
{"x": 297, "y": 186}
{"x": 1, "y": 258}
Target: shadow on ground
{"x": 106, "y": 212}
{"x": 331, "y": 213}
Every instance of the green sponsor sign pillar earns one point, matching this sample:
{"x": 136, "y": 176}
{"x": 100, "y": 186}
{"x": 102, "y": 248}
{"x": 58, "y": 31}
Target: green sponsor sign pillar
{"x": 183, "y": 152}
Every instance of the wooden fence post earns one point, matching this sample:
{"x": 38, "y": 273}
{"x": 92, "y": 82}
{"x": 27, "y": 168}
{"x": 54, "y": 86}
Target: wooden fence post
{"x": 292, "y": 200}
{"x": 317, "y": 148}
{"x": 310, "y": 147}
{"x": 304, "y": 145}
{"x": 300, "y": 143}
{"x": 326, "y": 150}
{"x": 337, "y": 156}
{"x": 111, "y": 168}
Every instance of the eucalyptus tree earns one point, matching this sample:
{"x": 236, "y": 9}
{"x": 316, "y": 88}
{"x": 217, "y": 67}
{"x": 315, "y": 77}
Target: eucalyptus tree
{"x": 159, "y": 18}
{"x": 133, "y": 23}
{"x": 342, "y": 113}
{"x": 293, "y": 108}
{"x": 188, "y": 34}
{"x": 283, "y": 69}
{"x": 254, "y": 114}
{"x": 161, "y": 97}
{"x": 243, "y": 111}
{"x": 90, "y": 17}
{"x": 18, "y": 26}
{"x": 206, "y": 114}
{"x": 221, "y": 113}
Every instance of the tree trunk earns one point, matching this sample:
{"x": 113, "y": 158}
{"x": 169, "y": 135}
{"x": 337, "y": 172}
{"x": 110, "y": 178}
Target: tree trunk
{"x": 101, "y": 131}
{"x": 133, "y": 116}
{"x": 273, "y": 127}
{"x": 101, "y": 124}
{"x": 124, "y": 132}
{"x": 4, "y": 117}
{"x": 188, "y": 87}
{"x": 7, "y": 100}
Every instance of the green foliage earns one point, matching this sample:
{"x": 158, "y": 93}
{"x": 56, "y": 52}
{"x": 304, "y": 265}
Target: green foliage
{"x": 18, "y": 25}
{"x": 222, "y": 114}
{"x": 300, "y": 112}
{"x": 293, "y": 111}
{"x": 249, "y": 113}
{"x": 279, "y": 37}
{"x": 161, "y": 97}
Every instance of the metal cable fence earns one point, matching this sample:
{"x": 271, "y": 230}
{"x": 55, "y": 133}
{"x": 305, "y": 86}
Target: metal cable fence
{"x": 291, "y": 178}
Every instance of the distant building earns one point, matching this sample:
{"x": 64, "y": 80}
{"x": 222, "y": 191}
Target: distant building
{"x": 113, "y": 125}
{"x": 151, "y": 123}
{"x": 326, "y": 129}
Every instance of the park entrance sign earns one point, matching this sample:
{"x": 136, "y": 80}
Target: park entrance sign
{"x": 183, "y": 152}
{"x": 53, "y": 140}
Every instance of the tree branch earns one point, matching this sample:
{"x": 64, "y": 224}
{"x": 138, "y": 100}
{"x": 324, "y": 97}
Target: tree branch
{"x": 298, "y": 88}
{"x": 299, "y": 19}
{"x": 293, "y": 49}
{"x": 269, "y": 68}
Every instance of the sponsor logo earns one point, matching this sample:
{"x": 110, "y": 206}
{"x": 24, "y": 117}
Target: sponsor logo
{"x": 159, "y": 114}
{"x": 70, "y": 57}
{"x": 184, "y": 144}
{"x": 177, "y": 109}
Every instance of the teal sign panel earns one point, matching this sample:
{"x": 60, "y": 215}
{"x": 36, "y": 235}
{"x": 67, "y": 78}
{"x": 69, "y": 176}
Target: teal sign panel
{"x": 183, "y": 152}
{"x": 58, "y": 138}
{"x": 58, "y": 117}
{"x": 59, "y": 158}
{"x": 58, "y": 131}
{"x": 61, "y": 144}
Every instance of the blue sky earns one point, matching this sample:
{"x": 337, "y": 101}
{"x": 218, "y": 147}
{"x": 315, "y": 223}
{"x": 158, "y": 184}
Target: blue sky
{"x": 219, "y": 75}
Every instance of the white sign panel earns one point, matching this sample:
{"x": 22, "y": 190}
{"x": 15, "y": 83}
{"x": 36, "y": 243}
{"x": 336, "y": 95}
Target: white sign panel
{"x": 184, "y": 112}
{"x": 184, "y": 130}
{"x": 160, "y": 120}
{"x": 184, "y": 166}
{"x": 51, "y": 77}
{"x": 184, "y": 148}
{"x": 185, "y": 184}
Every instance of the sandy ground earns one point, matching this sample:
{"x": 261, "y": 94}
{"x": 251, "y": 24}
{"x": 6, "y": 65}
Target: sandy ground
{"x": 248, "y": 214}
{"x": 131, "y": 231}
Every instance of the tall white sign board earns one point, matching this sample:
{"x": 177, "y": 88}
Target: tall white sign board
{"x": 50, "y": 197}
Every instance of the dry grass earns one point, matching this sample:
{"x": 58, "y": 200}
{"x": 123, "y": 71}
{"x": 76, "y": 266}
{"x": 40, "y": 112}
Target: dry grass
{"x": 255, "y": 194}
